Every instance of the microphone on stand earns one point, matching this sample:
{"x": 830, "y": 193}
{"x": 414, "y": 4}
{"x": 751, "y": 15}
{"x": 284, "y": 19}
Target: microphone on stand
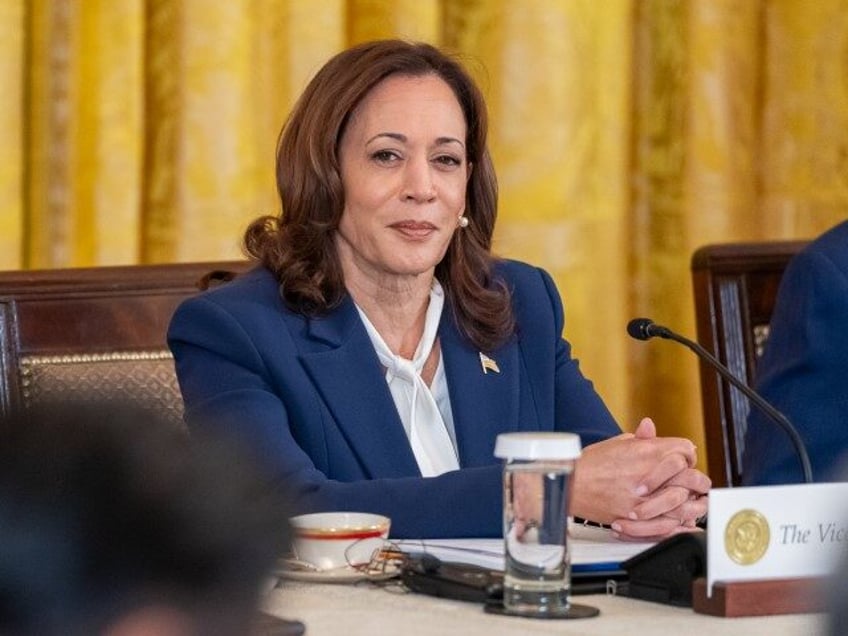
{"x": 645, "y": 329}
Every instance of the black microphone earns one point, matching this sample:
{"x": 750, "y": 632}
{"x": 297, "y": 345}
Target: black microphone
{"x": 645, "y": 329}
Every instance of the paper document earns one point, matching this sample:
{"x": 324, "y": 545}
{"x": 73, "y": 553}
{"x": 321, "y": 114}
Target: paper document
{"x": 590, "y": 548}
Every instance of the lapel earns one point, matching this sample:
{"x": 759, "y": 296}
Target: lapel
{"x": 348, "y": 375}
{"x": 483, "y": 404}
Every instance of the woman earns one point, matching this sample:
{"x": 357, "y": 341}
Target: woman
{"x": 376, "y": 352}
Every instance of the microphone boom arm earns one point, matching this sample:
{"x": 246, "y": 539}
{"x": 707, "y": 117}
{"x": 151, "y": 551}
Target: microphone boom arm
{"x": 753, "y": 396}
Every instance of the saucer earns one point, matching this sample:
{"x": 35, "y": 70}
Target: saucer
{"x": 336, "y": 575}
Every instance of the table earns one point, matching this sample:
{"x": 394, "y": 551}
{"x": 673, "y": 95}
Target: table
{"x": 363, "y": 609}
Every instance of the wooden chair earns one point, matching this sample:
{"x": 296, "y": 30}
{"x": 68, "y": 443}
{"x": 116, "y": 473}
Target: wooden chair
{"x": 735, "y": 287}
{"x": 95, "y": 332}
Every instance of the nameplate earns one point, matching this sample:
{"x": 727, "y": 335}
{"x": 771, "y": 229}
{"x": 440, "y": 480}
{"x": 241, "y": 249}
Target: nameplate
{"x": 775, "y": 532}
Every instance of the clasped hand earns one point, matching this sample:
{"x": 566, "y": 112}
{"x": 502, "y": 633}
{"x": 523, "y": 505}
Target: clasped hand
{"x": 645, "y": 486}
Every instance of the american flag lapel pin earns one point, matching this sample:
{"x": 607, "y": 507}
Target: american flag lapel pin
{"x": 488, "y": 364}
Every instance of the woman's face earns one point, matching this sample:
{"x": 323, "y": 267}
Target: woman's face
{"x": 404, "y": 171}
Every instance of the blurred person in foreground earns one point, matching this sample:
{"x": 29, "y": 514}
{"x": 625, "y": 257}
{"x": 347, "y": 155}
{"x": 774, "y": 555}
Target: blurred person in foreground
{"x": 379, "y": 347}
{"x": 804, "y": 369}
{"x": 114, "y": 523}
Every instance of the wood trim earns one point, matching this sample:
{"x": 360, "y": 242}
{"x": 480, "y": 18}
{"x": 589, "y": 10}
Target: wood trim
{"x": 82, "y": 311}
{"x": 735, "y": 286}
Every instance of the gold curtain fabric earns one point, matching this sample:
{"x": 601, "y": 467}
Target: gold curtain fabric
{"x": 626, "y": 133}
{"x": 12, "y": 37}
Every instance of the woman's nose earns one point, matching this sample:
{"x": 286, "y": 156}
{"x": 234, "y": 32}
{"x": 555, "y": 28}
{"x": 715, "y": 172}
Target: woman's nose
{"x": 418, "y": 181}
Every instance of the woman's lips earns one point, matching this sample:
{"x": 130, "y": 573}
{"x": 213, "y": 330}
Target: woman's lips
{"x": 414, "y": 229}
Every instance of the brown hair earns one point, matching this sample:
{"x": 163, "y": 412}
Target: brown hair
{"x": 298, "y": 246}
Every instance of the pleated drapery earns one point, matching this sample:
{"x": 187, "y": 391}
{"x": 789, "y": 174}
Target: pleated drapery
{"x": 626, "y": 133}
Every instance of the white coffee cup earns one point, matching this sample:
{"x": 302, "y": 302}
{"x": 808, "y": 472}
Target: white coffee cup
{"x": 329, "y": 540}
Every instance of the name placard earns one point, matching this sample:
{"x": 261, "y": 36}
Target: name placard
{"x": 776, "y": 532}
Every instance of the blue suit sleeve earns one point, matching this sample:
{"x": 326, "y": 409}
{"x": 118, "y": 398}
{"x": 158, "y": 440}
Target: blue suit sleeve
{"x": 227, "y": 386}
{"x": 240, "y": 371}
{"x": 803, "y": 373}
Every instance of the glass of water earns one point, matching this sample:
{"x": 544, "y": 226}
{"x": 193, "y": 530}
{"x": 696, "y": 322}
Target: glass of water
{"x": 537, "y": 481}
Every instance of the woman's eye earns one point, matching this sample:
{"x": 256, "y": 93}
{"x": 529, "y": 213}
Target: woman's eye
{"x": 385, "y": 156}
{"x": 448, "y": 161}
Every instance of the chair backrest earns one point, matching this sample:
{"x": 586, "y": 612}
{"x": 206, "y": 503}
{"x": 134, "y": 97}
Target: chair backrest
{"x": 95, "y": 332}
{"x": 735, "y": 286}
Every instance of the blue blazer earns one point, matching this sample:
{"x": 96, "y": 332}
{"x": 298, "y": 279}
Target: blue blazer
{"x": 310, "y": 398}
{"x": 804, "y": 368}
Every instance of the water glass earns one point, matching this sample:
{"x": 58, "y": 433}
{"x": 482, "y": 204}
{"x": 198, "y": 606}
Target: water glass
{"x": 537, "y": 480}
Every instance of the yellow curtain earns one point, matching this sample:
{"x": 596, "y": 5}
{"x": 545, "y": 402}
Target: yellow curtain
{"x": 12, "y": 36}
{"x": 739, "y": 133}
{"x": 626, "y": 133}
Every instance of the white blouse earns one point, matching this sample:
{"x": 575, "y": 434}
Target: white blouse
{"x": 424, "y": 411}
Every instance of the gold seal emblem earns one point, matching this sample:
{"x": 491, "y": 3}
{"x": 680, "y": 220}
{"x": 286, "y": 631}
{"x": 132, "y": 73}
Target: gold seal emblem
{"x": 746, "y": 537}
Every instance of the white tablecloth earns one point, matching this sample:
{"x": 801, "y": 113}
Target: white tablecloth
{"x": 361, "y": 609}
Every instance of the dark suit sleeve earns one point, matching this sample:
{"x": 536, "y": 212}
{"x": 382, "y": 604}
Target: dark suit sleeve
{"x": 226, "y": 386}
{"x": 803, "y": 372}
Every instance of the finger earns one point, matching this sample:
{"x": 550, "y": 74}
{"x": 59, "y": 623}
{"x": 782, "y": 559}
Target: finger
{"x": 684, "y": 447}
{"x": 670, "y": 456}
{"x": 645, "y": 529}
{"x": 646, "y": 429}
{"x": 693, "y": 480}
{"x": 664, "y": 502}
{"x": 690, "y": 511}
{"x": 663, "y": 471}
{"x": 659, "y": 537}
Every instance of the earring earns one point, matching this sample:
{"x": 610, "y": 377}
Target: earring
{"x": 463, "y": 221}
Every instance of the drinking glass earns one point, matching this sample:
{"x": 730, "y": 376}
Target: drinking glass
{"x": 537, "y": 482}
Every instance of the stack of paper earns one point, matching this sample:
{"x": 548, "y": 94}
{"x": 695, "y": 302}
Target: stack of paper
{"x": 591, "y": 548}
